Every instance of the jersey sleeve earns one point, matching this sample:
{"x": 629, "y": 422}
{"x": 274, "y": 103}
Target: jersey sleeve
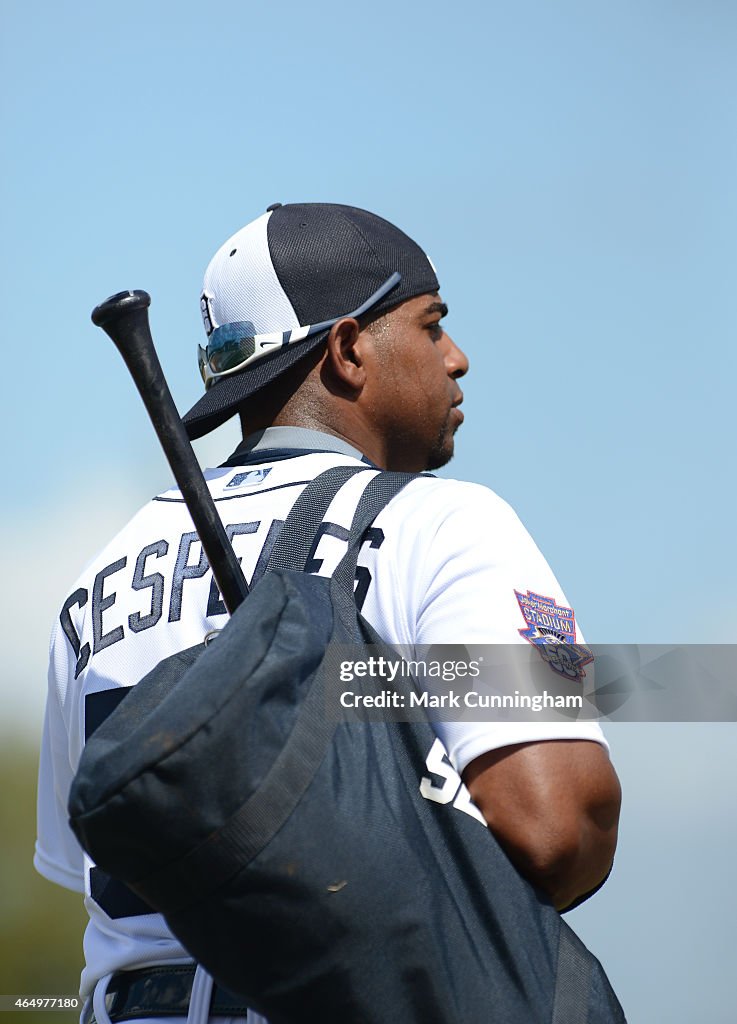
{"x": 483, "y": 572}
{"x": 58, "y": 856}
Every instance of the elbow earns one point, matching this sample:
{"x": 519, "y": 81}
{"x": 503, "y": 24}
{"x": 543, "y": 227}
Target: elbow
{"x": 567, "y": 867}
{"x": 570, "y": 857}
{"x": 553, "y": 806}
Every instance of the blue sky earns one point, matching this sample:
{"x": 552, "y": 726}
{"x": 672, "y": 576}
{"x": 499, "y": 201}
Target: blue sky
{"x": 572, "y": 170}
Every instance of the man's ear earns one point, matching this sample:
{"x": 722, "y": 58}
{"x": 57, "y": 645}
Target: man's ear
{"x": 344, "y": 356}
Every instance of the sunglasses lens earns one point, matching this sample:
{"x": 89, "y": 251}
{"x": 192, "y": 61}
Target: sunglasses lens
{"x": 229, "y": 346}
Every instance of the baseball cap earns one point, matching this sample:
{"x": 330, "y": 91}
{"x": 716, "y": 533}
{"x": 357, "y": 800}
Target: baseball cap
{"x": 273, "y": 290}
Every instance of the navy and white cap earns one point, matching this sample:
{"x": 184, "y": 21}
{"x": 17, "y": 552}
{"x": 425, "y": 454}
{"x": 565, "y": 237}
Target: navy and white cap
{"x": 274, "y": 289}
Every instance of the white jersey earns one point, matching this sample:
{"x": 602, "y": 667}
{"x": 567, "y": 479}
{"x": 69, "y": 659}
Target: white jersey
{"x": 446, "y": 562}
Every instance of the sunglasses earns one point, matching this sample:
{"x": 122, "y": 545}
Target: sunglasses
{"x": 232, "y": 347}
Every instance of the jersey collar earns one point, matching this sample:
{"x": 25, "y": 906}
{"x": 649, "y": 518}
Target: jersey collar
{"x": 276, "y": 443}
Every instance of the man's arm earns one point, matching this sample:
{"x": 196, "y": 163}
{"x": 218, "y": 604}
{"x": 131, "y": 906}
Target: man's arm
{"x": 554, "y": 808}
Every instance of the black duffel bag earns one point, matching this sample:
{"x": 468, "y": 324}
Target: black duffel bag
{"x": 293, "y": 854}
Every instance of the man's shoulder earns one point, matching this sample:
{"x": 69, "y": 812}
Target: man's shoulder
{"x": 432, "y": 498}
{"x": 436, "y": 518}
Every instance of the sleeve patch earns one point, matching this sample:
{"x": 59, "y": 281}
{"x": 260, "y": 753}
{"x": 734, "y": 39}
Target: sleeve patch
{"x": 549, "y": 626}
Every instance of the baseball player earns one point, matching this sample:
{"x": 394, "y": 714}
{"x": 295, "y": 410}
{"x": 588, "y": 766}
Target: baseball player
{"x": 325, "y": 335}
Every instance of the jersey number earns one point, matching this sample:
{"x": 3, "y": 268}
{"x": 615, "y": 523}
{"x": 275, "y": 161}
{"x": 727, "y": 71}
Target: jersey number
{"x": 451, "y": 788}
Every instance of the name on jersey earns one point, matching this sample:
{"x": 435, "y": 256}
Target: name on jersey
{"x": 156, "y": 571}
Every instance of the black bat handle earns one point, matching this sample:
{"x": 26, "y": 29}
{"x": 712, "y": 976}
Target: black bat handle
{"x": 124, "y": 317}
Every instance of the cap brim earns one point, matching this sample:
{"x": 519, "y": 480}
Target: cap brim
{"x": 222, "y": 400}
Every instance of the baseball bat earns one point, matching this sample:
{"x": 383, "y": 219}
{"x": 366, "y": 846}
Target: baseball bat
{"x": 124, "y": 318}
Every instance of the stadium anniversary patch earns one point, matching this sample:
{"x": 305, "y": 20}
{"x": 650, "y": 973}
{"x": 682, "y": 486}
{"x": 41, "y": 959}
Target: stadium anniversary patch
{"x": 552, "y": 630}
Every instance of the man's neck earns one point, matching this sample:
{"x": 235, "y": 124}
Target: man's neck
{"x": 302, "y": 438}
{"x": 348, "y": 428}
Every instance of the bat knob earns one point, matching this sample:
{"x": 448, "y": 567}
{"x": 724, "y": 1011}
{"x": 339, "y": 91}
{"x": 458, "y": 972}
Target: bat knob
{"x": 119, "y": 305}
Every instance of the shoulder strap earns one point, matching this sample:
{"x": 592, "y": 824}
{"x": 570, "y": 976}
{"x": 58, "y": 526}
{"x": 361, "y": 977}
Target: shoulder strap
{"x": 378, "y": 493}
{"x": 296, "y": 536}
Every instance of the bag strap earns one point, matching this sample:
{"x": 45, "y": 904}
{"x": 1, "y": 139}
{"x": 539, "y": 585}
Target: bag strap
{"x": 378, "y": 493}
{"x": 296, "y": 537}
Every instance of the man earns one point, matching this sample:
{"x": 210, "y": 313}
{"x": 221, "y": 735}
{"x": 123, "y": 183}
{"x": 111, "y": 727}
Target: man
{"x": 325, "y": 336}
